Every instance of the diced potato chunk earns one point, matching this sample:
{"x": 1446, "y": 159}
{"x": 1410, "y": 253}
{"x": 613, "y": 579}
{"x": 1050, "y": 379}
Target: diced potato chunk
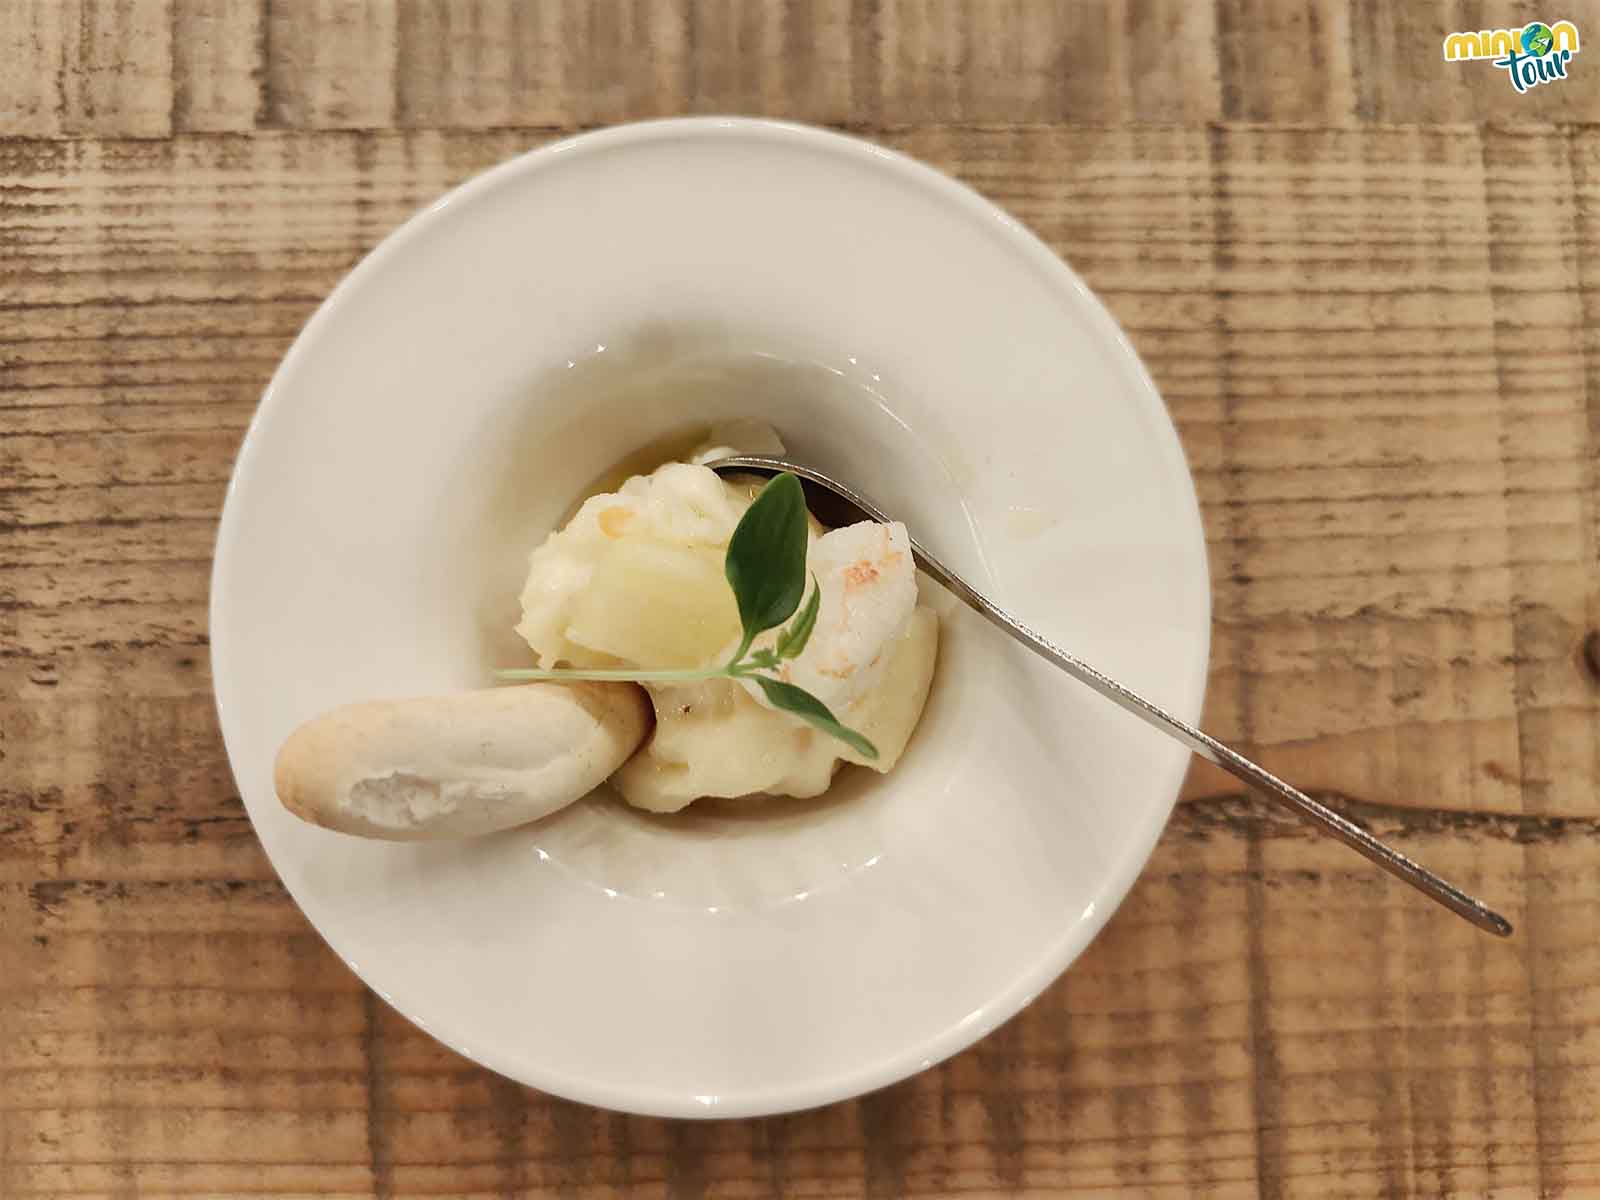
{"x": 656, "y": 606}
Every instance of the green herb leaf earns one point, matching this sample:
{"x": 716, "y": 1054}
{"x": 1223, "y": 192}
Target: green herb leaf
{"x": 765, "y": 660}
{"x": 793, "y": 639}
{"x": 766, "y": 562}
{"x": 813, "y": 711}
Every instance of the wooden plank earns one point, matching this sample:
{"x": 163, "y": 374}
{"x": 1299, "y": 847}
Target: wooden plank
{"x": 1286, "y": 62}
{"x": 482, "y": 65}
{"x": 1535, "y": 290}
{"x": 118, "y": 67}
{"x": 830, "y": 61}
{"x": 1215, "y": 1038}
{"x": 729, "y": 51}
{"x": 1019, "y": 62}
{"x": 218, "y": 67}
{"x": 122, "y": 81}
{"x": 86, "y": 67}
{"x": 329, "y": 64}
{"x": 625, "y": 59}
{"x": 1585, "y": 160}
{"x": 1400, "y": 74}
{"x": 33, "y": 100}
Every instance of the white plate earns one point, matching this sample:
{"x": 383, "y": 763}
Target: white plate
{"x": 443, "y": 407}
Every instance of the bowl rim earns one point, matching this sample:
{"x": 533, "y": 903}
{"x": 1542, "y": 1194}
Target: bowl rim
{"x": 1052, "y": 959}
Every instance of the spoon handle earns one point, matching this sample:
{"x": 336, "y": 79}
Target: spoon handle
{"x": 1391, "y": 860}
{"x": 1231, "y": 761}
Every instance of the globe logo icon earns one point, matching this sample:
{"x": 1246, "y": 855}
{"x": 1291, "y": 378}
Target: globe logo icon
{"x": 1537, "y": 39}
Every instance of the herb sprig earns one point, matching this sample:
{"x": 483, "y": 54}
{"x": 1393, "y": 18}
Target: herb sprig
{"x": 766, "y": 567}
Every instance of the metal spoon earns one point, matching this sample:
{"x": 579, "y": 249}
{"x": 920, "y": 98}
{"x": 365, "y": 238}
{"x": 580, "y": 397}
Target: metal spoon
{"x": 835, "y": 503}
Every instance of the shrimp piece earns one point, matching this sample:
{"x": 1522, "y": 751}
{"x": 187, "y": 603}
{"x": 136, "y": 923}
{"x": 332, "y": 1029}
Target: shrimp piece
{"x": 869, "y": 589}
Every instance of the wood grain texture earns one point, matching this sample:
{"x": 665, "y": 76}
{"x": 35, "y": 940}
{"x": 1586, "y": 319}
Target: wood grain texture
{"x": 218, "y": 72}
{"x": 1364, "y": 282}
{"x": 86, "y": 66}
{"x": 154, "y": 67}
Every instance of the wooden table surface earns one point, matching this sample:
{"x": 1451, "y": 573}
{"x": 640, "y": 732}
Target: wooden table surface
{"x": 1366, "y": 282}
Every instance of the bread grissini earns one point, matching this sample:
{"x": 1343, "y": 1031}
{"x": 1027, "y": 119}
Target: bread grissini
{"x": 459, "y": 765}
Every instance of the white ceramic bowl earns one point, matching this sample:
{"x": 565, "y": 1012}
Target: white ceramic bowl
{"x": 438, "y": 414}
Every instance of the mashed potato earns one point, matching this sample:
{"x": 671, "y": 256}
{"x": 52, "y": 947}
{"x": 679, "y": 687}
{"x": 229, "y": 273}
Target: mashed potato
{"x": 635, "y": 579}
